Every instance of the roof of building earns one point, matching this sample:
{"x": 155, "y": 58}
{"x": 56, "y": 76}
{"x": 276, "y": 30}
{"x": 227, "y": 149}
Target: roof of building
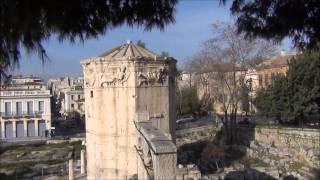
{"x": 25, "y": 77}
{"x": 223, "y": 68}
{"x": 129, "y": 50}
{"x": 280, "y": 60}
{"x": 228, "y": 67}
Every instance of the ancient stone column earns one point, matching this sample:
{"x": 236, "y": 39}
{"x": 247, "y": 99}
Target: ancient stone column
{"x": 25, "y": 127}
{"x": 83, "y": 164}
{"x": 14, "y": 126}
{"x": 2, "y": 129}
{"x": 36, "y": 126}
{"x": 71, "y": 173}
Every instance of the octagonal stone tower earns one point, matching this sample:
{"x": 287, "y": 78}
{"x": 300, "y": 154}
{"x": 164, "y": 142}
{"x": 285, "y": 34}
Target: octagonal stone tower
{"x": 126, "y": 84}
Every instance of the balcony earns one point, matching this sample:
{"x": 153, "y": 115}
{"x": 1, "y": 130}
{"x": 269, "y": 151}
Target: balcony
{"x": 23, "y": 114}
{"x": 25, "y": 93}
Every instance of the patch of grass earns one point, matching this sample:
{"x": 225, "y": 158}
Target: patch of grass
{"x": 13, "y": 151}
{"x": 77, "y": 148}
{"x": 17, "y": 174}
{"x": 250, "y": 162}
{"x": 42, "y": 147}
{"x": 19, "y": 167}
{"x": 16, "y": 165}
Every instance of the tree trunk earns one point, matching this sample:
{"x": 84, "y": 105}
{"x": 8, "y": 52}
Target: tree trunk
{"x": 226, "y": 124}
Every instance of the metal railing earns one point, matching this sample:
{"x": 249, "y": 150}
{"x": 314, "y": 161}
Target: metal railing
{"x": 21, "y": 114}
{"x": 25, "y": 93}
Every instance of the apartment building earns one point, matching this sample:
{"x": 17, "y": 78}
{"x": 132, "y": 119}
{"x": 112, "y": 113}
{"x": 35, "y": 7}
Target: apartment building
{"x": 24, "y": 108}
{"x": 263, "y": 74}
{"x": 68, "y": 95}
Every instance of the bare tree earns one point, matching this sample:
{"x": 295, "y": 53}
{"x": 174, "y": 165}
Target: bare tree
{"x": 221, "y": 66}
{"x": 165, "y": 54}
{"x": 141, "y": 43}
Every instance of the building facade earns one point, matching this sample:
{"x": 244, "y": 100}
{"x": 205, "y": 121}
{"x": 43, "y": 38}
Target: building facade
{"x": 212, "y": 84}
{"x": 74, "y": 100}
{"x": 25, "y": 108}
{"x": 68, "y": 95}
{"x": 262, "y": 76}
{"x": 264, "y": 73}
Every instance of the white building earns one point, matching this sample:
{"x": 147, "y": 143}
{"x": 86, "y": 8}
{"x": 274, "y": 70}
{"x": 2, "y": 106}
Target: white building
{"x": 24, "y": 108}
{"x": 68, "y": 94}
{"x": 74, "y": 100}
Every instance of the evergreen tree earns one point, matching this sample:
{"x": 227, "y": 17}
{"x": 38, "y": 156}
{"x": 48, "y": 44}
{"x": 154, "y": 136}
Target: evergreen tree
{"x": 26, "y": 24}
{"x": 188, "y": 101}
{"x": 304, "y": 82}
{"x": 278, "y": 19}
{"x": 293, "y": 97}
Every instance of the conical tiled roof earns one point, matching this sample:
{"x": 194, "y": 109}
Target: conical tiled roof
{"x": 129, "y": 50}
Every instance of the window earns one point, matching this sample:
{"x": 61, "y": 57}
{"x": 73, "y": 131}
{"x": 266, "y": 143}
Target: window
{"x": 79, "y": 106}
{"x": 19, "y": 108}
{"x": 260, "y": 80}
{"x": 72, "y": 106}
{"x": 71, "y": 97}
{"x": 79, "y": 97}
{"x": 7, "y": 108}
{"x": 91, "y": 94}
{"x": 30, "y": 107}
{"x": 41, "y": 107}
{"x": 266, "y": 80}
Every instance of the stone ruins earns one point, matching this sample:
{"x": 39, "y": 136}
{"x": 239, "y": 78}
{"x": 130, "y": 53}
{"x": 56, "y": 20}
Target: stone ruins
{"x": 130, "y": 114}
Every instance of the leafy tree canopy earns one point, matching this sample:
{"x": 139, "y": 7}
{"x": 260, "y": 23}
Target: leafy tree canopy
{"x": 291, "y": 98}
{"x": 26, "y": 24}
{"x": 277, "y": 19}
{"x": 304, "y": 82}
{"x": 187, "y": 100}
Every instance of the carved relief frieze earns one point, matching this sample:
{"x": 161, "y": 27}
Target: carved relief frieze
{"x": 153, "y": 77}
{"x": 90, "y": 76}
{"x": 114, "y": 76}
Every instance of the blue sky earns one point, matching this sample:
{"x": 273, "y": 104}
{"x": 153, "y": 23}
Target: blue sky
{"x": 181, "y": 39}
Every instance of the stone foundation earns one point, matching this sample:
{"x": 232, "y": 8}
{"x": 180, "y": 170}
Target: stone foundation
{"x": 297, "y": 144}
{"x": 264, "y": 151}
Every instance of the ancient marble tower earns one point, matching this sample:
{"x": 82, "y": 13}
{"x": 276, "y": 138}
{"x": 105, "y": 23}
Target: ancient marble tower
{"x": 125, "y": 85}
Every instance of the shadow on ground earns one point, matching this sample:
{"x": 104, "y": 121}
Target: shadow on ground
{"x": 214, "y": 154}
{"x": 248, "y": 174}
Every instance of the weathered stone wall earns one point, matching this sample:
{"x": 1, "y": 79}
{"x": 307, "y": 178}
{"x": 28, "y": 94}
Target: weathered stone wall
{"x": 293, "y": 138}
{"x": 297, "y": 144}
{"x": 157, "y": 152}
{"x": 193, "y": 135}
{"x": 268, "y": 151}
{"x": 189, "y": 172}
{"x": 287, "y": 151}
